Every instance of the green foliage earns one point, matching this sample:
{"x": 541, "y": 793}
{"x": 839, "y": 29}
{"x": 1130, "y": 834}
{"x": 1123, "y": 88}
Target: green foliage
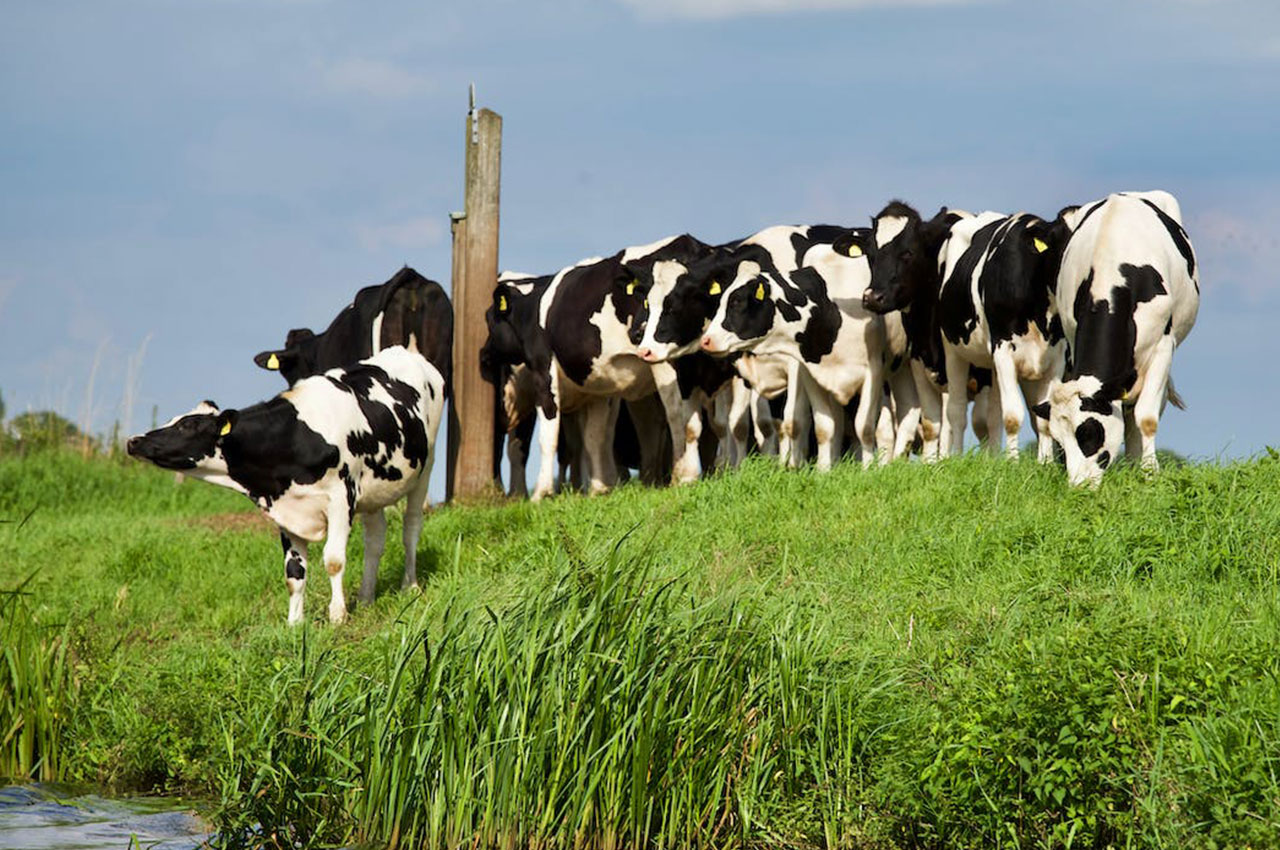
{"x": 43, "y": 430}
{"x": 967, "y": 655}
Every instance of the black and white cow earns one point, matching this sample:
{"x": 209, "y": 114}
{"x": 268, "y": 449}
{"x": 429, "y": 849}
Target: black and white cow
{"x": 814, "y": 315}
{"x": 1129, "y": 295}
{"x": 579, "y": 351}
{"x": 975, "y": 292}
{"x": 350, "y": 441}
{"x": 408, "y": 310}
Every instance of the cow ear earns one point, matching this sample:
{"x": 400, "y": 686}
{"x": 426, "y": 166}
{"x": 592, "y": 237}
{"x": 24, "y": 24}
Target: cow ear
{"x": 269, "y": 360}
{"x": 298, "y": 336}
{"x": 851, "y": 244}
{"x": 226, "y": 422}
{"x": 1041, "y": 410}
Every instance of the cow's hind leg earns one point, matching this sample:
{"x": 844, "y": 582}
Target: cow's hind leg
{"x": 599, "y": 418}
{"x": 1011, "y": 411}
{"x": 1151, "y": 400}
{"x": 335, "y": 558}
{"x": 375, "y": 540}
{"x": 413, "y": 507}
{"x": 295, "y": 573}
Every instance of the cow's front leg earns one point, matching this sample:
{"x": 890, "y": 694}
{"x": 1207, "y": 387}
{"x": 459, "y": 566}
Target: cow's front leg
{"x": 548, "y": 440}
{"x": 763, "y": 425}
{"x": 295, "y": 573}
{"x": 375, "y": 540}
{"x": 953, "y": 412}
{"x": 599, "y": 418}
{"x": 683, "y": 421}
{"x": 868, "y": 411}
{"x": 906, "y": 409}
{"x": 827, "y": 419}
{"x": 413, "y": 508}
{"x": 335, "y": 558}
{"x": 930, "y": 411}
{"x": 1011, "y": 411}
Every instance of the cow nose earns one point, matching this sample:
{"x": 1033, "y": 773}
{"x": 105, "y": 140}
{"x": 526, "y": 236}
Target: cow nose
{"x": 131, "y": 446}
{"x": 646, "y": 354}
{"x": 706, "y": 343}
{"x": 870, "y": 300}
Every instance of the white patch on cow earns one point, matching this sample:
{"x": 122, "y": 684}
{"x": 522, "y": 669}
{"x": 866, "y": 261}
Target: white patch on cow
{"x": 887, "y": 228}
{"x": 665, "y": 275}
{"x": 376, "y": 336}
{"x": 638, "y": 252}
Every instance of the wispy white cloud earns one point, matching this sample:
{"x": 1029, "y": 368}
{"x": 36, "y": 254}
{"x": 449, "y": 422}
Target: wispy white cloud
{"x": 412, "y": 233}
{"x": 376, "y": 78}
{"x": 719, "y": 9}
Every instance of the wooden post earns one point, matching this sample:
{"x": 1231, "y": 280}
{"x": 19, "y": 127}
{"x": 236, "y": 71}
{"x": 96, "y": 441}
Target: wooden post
{"x": 475, "y": 270}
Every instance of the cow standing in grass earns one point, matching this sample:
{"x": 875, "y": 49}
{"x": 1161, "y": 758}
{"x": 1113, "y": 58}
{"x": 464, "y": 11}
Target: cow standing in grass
{"x": 351, "y": 441}
{"x": 1129, "y": 294}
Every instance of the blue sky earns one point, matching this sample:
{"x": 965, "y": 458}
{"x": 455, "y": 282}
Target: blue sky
{"x": 198, "y": 177}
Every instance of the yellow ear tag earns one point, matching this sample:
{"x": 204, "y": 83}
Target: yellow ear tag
{"x": 1041, "y": 245}
{"x": 502, "y": 303}
{"x": 855, "y": 250}
{"x": 759, "y": 291}
{"x": 715, "y": 288}
{"x": 273, "y": 362}
{"x": 646, "y": 303}
{"x": 631, "y": 288}
{"x": 226, "y": 429}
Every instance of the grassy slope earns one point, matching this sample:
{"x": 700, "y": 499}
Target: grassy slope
{"x": 1046, "y": 656}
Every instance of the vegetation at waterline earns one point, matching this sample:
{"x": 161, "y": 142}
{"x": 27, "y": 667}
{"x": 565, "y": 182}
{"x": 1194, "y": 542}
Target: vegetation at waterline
{"x": 969, "y": 655}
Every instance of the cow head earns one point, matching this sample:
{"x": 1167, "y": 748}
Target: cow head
{"x": 296, "y": 360}
{"x": 504, "y": 345}
{"x": 681, "y": 301}
{"x": 1086, "y": 418}
{"x": 747, "y": 312}
{"x": 189, "y": 442}
{"x": 903, "y": 252}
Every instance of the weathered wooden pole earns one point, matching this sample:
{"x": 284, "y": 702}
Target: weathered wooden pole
{"x": 475, "y": 270}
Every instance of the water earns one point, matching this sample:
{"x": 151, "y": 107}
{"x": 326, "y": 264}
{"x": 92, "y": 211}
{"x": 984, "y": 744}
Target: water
{"x": 48, "y": 817}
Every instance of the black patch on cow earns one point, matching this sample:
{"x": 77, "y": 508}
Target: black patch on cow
{"x": 391, "y": 428}
{"x": 517, "y": 337}
{"x": 1090, "y": 436}
{"x": 1106, "y": 332}
{"x": 349, "y": 484}
{"x": 269, "y": 449}
{"x": 294, "y": 567}
{"x": 1168, "y": 326}
{"x": 1104, "y": 459}
{"x": 818, "y": 338}
{"x": 582, "y": 293}
{"x": 746, "y": 316}
{"x": 1145, "y": 282}
{"x": 1017, "y": 281}
{"x": 700, "y": 371}
{"x": 1096, "y": 404}
{"x": 1179, "y": 237}
{"x": 816, "y": 234}
{"x": 956, "y": 309}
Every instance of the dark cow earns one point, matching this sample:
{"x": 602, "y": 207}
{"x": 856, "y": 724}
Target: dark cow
{"x": 975, "y": 292}
{"x": 351, "y": 441}
{"x": 408, "y": 310}
{"x": 812, "y": 314}
{"x": 1129, "y": 295}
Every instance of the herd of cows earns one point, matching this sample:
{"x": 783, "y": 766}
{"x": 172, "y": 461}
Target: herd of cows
{"x": 775, "y": 343}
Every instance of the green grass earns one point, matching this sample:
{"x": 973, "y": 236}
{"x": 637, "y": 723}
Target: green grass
{"x": 968, "y": 655}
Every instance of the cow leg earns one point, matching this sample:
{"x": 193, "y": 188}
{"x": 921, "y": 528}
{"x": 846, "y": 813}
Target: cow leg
{"x": 548, "y": 441}
{"x": 886, "y": 432}
{"x": 650, "y": 424}
{"x": 763, "y": 425}
{"x": 799, "y": 413}
{"x": 518, "y": 441}
{"x": 868, "y": 410}
{"x": 906, "y": 410}
{"x": 1036, "y": 392}
{"x": 684, "y": 422}
{"x": 598, "y": 419}
{"x": 335, "y": 557}
{"x": 414, "y": 504}
{"x": 295, "y": 573}
{"x": 1011, "y": 408}
{"x": 953, "y": 412}
{"x": 1155, "y": 390}
{"x": 718, "y": 412}
{"x": 827, "y": 419}
{"x": 1132, "y": 436}
{"x": 375, "y": 540}
{"x": 988, "y": 398}
{"x": 930, "y": 412}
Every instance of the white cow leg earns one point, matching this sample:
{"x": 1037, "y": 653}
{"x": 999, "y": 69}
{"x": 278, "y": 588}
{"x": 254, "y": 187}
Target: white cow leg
{"x": 414, "y": 505}
{"x": 957, "y": 400}
{"x": 1151, "y": 400}
{"x": 827, "y": 418}
{"x": 766, "y": 429}
{"x": 801, "y": 426}
{"x": 295, "y": 573}
{"x": 548, "y": 445}
{"x": 683, "y": 420}
{"x": 885, "y": 430}
{"x": 1132, "y": 436}
{"x": 375, "y": 540}
{"x": 864, "y": 417}
{"x": 740, "y": 397}
{"x": 906, "y": 409}
{"x": 335, "y": 558}
{"x": 1011, "y": 409}
{"x": 597, "y": 442}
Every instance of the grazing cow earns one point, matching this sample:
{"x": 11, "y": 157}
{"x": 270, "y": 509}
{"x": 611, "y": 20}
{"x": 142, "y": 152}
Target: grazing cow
{"x": 812, "y": 314}
{"x": 975, "y": 293}
{"x": 408, "y": 310}
{"x": 351, "y": 441}
{"x": 1129, "y": 294}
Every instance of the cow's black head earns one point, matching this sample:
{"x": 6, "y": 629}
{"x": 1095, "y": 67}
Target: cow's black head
{"x": 903, "y": 252}
{"x": 682, "y": 300}
{"x": 503, "y": 346}
{"x": 187, "y": 441}
{"x": 297, "y": 360}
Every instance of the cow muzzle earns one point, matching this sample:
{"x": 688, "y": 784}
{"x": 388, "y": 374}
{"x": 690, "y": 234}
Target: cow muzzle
{"x": 873, "y": 301}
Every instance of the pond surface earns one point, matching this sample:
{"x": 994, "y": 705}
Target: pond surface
{"x": 50, "y": 817}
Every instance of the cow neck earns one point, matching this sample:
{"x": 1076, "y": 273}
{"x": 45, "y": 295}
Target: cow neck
{"x": 270, "y": 449}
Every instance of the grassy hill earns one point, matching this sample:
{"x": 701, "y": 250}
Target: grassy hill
{"x": 965, "y": 655}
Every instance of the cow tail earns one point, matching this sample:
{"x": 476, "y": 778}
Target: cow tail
{"x": 1174, "y": 398}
